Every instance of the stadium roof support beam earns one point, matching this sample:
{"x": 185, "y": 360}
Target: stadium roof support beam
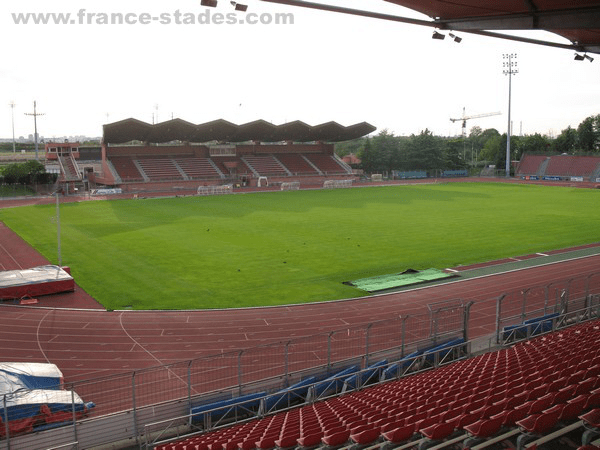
{"x": 572, "y": 21}
{"x": 538, "y": 20}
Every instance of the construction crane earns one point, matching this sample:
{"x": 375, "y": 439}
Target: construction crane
{"x": 464, "y": 119}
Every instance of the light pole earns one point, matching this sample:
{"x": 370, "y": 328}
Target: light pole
{"x": 12, "y": 108}
{"x": 35, "y": 137}
{"x": 58, "y": 227}
{"x": 510, "y": 69}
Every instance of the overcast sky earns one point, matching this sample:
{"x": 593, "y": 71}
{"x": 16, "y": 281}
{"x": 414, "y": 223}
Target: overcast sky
{"x": 325, "y": 66}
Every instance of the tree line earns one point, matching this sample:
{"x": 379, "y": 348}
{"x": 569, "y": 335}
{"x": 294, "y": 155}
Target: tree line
{"x": 385, "y": 152}
{"x": 27, "y": 173}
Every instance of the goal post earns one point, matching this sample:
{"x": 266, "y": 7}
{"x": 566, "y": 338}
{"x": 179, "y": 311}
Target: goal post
{"x": 290, "y": 186}
{"x": 336, "y": 184}
{"x": 215, "y": 190}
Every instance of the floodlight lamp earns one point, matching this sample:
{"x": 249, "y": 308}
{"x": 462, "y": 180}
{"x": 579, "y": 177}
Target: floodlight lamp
{"x": 437, "y": 35}
{"x": 239, "y": 6}
{"x": 456, "y": 38}
{"x": 211, "y": 3}
{"x": 579, "y": 57}
{"x": 589, "y": 58}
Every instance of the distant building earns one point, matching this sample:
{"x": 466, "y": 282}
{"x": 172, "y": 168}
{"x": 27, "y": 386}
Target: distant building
{"x": 351, "y": 159}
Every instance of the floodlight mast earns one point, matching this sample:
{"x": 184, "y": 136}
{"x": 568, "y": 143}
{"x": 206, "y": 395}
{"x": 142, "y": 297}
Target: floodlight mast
{"x": 510, "y": 70}
{"x": 57, "y": 193}
{"x": 12, "y": 105}
{"x": 35, "y": 114}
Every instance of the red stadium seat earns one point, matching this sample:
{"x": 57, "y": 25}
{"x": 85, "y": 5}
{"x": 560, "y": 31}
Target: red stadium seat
{"x": 540, "y": 423}
{"x": 537, "y": 406}
{"x": 586, "y": 386}
{"x": 438, "y": 431}
{"x": 365, "y": 437}
{"x": 400, "y": 434}
{"x": 287, "y": 441}
{"x": 593, "y": 400}
{"x": 485, "y": 427}
{"x": 310, "y": 440}
{"x": 512, "y": 416}
{"x": 266, "y": 443}
{"x": 592, "y": 418}
{"x": 336, "y": 439}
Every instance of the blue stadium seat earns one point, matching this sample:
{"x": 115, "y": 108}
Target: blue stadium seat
{"x": 288, "y": 396}
{"x": 369, "y": 375}
{"x": 392, "y": 370}
{"x": 226, "y": 407}
{"x": 333, "y": 383}
{"x": 442, "y": 350}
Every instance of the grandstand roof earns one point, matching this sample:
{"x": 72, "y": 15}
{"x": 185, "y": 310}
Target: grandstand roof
{"x": 221, "y": 130}
{"x": 578, "y": 21}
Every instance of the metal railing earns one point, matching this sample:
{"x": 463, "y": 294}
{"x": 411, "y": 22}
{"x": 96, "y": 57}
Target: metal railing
{"x": 194, "y": 423}
{"x": 128, "y": 401}
{"x": 518, "y": 311}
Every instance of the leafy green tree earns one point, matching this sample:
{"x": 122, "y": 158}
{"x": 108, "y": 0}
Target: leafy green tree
{"x": 425, "y": 151}
{"x": 454, "y": 155}
{"x": 29, "y": 172}
{"x": 475, "y": 133}
{"x": 533, "y": 143}
{"x": 354, "y": 146}
{"x": 588, "y": 134}
{"x": 14, "y": 173}
{"x": 492, "y": 150}
{"x": 382, "y": 154}
{"x": 35, "y": 171}
{"x": 478, "y": 140}
{"x": 367, "y": 157}
{"x": 566, "y": 141}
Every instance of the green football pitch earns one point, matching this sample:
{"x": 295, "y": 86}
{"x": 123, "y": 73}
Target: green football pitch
{"x": 277, "y": 248}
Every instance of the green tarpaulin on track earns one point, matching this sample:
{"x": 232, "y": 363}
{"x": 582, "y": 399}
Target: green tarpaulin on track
{"x": 395, "y": 280}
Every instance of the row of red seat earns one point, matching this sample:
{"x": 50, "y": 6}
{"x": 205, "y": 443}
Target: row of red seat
{"x": 159, "y": 168}
{"x": 532, "y": 385}
{"x": 559, "y": 165}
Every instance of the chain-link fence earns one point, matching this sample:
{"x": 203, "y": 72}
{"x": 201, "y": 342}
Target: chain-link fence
{"x": 125, "y": 403}
{"x": 533, "y": 310}
{"x": 25, "y": 190}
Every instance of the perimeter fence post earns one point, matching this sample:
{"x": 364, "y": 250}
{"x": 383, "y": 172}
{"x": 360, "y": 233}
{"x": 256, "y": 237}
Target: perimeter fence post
{"x": 286, "y": 367}
{"x": 6, "y": 427}
{"x": 567, "y": 292}
{"x": 74, "y": 413}
{"x": 564, "y": 301}
{"x": 329, "y": 350}
{"x": 240, "y": 374}
{"x": 498, "y": 317}
{"x": 434, "y": 324}
{"x": 403, "y": 335}
{"x": 189, "y": 383}
{"x": 135, "y": 427}
{"x": 524, "y": 305}
{"x": 587, "y": 284}
{"x": 367, "y": 345}
{"x": 466, "y": 317}
{"x": 546, "y": 298}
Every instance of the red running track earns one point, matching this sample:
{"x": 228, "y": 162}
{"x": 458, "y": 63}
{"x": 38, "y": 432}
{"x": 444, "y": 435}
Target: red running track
{"x": 91, "y": 343}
